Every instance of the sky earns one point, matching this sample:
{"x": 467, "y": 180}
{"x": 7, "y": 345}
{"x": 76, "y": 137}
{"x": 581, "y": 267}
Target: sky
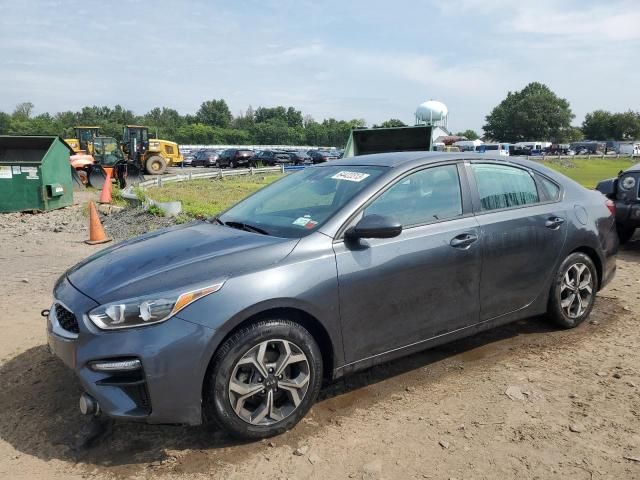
{"x": 343, "y": 59}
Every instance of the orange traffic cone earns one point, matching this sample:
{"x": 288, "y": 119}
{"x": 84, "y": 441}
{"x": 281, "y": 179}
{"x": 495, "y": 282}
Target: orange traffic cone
{"x": 105, "y": 195}
{"x": 96, "y": 231}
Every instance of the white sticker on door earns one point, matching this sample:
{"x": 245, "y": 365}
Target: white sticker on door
{"x": 5, "y": 171}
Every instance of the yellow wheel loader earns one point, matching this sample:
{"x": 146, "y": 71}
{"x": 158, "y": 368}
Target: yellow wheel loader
{"x": 154, "y": 155}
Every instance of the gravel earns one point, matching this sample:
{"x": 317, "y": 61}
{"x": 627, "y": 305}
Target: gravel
{"x": 132, "y": 222}
{"x": 69, "y": 219}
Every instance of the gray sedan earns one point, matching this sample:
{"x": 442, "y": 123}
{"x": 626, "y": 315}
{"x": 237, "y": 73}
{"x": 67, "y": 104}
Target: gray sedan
{"x": 336, "y": 268}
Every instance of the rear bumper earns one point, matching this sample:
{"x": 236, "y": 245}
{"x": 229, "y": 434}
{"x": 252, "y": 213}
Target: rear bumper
{"x": 173, "y": 355}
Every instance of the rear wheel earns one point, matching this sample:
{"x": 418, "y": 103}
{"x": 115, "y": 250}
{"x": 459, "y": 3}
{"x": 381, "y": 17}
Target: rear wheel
{"x": 264, "y": 379}
{"x": 573, "y": 291}
{"x": 156, "y": 165}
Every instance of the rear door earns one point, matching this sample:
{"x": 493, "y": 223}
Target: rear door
{"x": 523, "y": 226}
{"x": 425, "y": 282}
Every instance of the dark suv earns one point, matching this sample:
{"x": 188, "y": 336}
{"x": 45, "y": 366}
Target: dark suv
{"x": 235, "y": 157}
{"x": 300, "y": 157}
{"x": 206, "y": 158}
{"x": 321, "y": 156}
{"x": 272, "y": 157}
{"x": 624, "y": 190}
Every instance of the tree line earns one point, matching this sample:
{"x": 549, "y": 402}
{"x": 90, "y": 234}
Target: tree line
{"x": 533, "y": 113}
{"x": 213, "y": 123}
{"x": 537, "y": 113}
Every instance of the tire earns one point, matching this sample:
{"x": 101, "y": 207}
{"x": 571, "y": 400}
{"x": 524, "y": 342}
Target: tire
{"x": 155, "y": 165}
{"x": 625, "y": 233}
{"x": 226, "y": 372}
{"x": 232, "y": 164}
{"x": 569, "y": 311}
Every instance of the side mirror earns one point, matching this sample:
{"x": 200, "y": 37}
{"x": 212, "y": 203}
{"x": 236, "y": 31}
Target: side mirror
{"x": 374, "y": 226}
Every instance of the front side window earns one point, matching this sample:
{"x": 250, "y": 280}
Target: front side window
{"x": 503, "y": 186}
{"x": 423, "y": 197}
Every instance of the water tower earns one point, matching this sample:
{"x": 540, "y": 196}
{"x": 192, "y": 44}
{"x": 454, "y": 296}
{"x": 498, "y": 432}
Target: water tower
{"x": 432, "y": 112}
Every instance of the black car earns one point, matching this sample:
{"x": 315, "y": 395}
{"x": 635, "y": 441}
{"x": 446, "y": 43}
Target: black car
{"x": 624, "y": 190}
{"x": 272, "y": 157}
{"x": 321, "y": 156}
{"x": 236, "y": 157}
{"x": 207, "y": 157}
{"x": 300, "y": 158}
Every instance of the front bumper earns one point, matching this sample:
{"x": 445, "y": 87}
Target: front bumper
{"x": 174, "y": 357}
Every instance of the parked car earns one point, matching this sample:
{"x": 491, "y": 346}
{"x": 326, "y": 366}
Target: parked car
{"x": 234, "y": 157}
{"x": 320, "y": 156}
{"x": 624, "y": 190}
{"x": 207, "y": 157}
{"x": 272, "y": 157}
{"x": 187, "y": 159}
{"x": 350, "y": 264}
{"x": 300, "y": 157}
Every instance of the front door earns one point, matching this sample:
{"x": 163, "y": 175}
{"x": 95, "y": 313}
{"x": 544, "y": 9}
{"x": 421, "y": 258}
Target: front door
{"x": 425, "y": 282}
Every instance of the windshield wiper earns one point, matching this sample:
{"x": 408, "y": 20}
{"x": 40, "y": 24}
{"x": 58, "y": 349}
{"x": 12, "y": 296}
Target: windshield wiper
{"x": 244, "y": 226}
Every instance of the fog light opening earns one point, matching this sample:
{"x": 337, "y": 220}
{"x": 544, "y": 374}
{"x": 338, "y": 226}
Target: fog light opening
{"x": 89, "y": 405}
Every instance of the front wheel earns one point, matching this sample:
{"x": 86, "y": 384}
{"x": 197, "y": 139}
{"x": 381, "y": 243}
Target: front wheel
{"x": 263, "y": 379}
{"x": 573, "y": 291}
{"x": 232, "y": 164}
{"x": 156, "y": 165}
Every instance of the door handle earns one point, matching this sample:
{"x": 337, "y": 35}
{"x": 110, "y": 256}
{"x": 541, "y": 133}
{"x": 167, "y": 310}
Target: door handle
{"x": 464, "y": 240}
{"x": 554, "y": 222}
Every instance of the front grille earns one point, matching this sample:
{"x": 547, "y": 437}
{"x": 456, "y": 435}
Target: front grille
{"x": 66, "y": 319}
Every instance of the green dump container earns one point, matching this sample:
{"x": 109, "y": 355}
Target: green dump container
{"x": 392, "y": 139}
{"x": 35, "y": 173}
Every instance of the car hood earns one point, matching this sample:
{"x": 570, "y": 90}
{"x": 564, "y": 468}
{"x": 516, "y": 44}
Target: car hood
{"x": 175, "y": 258}
{"x": 633, "y": 168}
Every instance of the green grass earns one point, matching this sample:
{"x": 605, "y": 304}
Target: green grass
{"x": 207, "y": 197}
{"x": 588, "y": 172}
{"x": 116, "y": 196}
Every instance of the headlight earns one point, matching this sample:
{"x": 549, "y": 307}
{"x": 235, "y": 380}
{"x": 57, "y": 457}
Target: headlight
{"x": 136, "y": 312}
{"x": 628, "y": 183}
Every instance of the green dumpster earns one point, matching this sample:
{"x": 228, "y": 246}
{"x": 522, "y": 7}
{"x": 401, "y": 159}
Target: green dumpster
{"x": 35, "y": 173}
{"x": 392, "y": 139}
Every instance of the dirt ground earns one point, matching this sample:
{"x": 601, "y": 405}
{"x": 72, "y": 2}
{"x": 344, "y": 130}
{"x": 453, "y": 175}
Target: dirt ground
{"x": 524, "y": 401}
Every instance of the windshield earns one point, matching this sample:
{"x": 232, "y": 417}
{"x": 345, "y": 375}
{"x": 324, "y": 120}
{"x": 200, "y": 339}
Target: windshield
{"x": 301, "y": 202}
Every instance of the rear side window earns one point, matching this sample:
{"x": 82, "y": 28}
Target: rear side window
{"x": 551, "y": 190}
{"x": 503, "y": 186}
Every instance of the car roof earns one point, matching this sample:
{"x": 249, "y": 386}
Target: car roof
{"x": 413, "y": 159}
{"x": 396, "y": 159}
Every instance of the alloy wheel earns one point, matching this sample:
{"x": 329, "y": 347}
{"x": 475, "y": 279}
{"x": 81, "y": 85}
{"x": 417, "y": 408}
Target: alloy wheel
{"x": 576, "y": 290}
{"x": 269, "y": 382}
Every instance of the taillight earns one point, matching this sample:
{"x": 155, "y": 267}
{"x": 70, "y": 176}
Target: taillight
{"x": 611, "y": 205}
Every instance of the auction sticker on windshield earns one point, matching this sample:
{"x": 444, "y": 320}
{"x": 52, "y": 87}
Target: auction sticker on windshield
{"x": 350, "y": 176}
